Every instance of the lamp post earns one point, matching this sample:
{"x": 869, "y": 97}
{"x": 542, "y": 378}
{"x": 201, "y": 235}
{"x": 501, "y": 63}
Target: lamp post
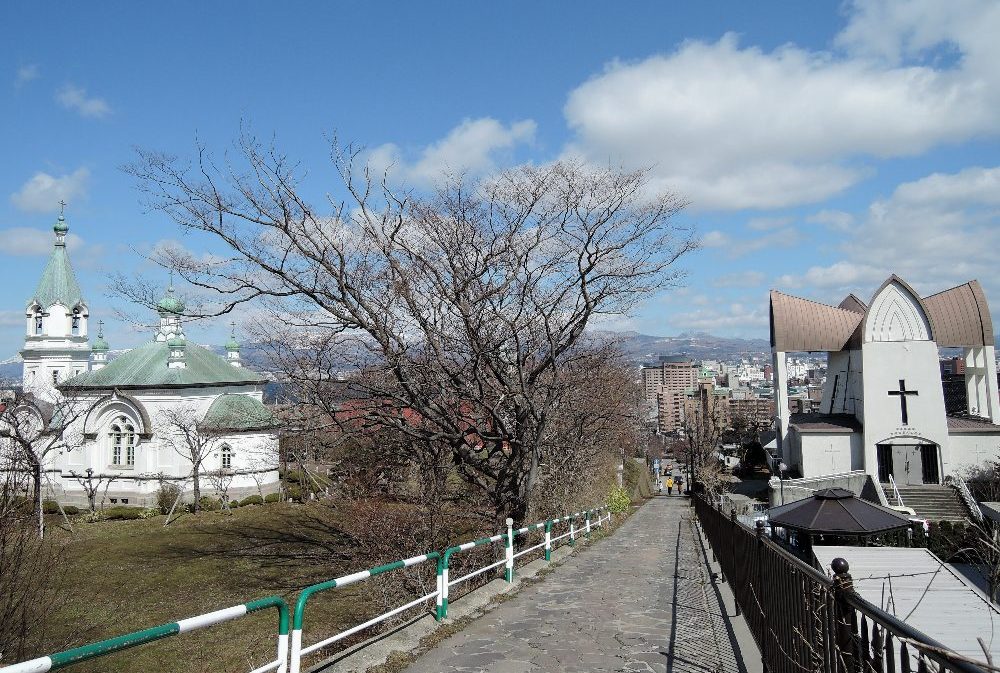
{"x": 781, "y": 478}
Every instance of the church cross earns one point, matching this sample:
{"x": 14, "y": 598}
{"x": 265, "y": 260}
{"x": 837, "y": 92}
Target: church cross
{"x": 62, "y": 207}
{"x": 902, "y": 393}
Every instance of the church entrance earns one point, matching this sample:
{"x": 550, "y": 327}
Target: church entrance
{"x": 908, "y": 464}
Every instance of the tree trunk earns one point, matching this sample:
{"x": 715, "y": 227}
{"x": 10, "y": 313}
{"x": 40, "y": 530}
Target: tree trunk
{"x": 36, "y": 473}
{"x": 196, "y": 484}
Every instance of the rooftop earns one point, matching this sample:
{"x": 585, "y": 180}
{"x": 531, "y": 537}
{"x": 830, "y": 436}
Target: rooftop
{"x": 825, "y": 423}
{"x": 146, "y": 367}
{"x": 964, "y": 424}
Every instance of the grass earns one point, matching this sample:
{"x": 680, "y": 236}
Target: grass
{"x": 125, "y": 576}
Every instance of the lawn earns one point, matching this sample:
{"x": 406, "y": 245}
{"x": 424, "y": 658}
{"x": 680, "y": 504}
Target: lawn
{"x": 125, "y": 576}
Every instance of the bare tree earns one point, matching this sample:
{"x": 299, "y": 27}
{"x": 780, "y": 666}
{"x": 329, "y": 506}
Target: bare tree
{"x": 182, "y": 433}
{"x": 33, "y": 431}
{"x": 91, "y": 484}
{"x": 705, "y": 420}
{"x": 463, "y": 307}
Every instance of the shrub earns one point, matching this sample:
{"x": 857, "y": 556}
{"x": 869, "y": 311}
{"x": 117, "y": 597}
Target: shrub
{"x": 294, "y": 492}
{"x": 50, "y": 507}
{"x": 209, "y": 504}
{"x": 122, "y": 512}
{"x": 149, "y": 512}
{"x": 166, "y": 495}
{"x": 270, "y": 497}
{"x": 253, "y": 500}
{"x": 234, "y": 503}
{"x": 71, "y": 510}
{"x": 619, "y": 500}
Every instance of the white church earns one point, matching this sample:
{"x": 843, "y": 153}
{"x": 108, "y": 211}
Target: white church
{"x": 127, "y": 416}
{"x": 883, "y": 407}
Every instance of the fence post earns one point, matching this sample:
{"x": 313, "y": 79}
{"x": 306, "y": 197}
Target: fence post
{"x": 572, "y": 530}
{"x": 442, "y": 586}
{"x": 844, "y": 614}
{"x": 587, "y": 534}
{"x": 509, "y": 571}
{"x": 548, "y": 540}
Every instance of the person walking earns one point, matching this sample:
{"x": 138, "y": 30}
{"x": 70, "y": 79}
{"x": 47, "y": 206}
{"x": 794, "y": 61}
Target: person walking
{"x": 670, "y": 485}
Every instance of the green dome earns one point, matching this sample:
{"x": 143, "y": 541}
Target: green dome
{"x": 232, "y": 344}
{"x": 170, "y": 303}
{"x": 100, "y": 346}
{"x": 60, "y": 227}
{"x": 177, "y": 342}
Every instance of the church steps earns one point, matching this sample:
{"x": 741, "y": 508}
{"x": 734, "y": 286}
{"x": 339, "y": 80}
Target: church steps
{"x": 933, "y": 502}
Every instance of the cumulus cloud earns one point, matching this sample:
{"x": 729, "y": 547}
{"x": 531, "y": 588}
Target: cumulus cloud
{"x": 27, "y": 73}
{"x": 735, "y": 127}
{"x": 736, "y": 318}
{"x": 75, "y": 98}
{"x": 836, "y": 220}
{"x": 43, "y": 192}
{"x": 715, "y": 239}
{"x": 936, "y": 232}
{"x": 474, "y": 147}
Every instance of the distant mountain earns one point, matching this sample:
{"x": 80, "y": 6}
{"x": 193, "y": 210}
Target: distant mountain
{"x": 643, "y": 348}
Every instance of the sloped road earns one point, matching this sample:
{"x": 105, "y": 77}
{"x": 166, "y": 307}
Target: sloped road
{"x": 638, "y": 601}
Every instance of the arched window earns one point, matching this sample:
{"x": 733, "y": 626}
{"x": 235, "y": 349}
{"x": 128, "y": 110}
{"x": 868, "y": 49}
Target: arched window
{"x": 38, "y": 324}
{"x": 76, "y": 325}
{"x": 122, "y": 437}
{"x": 227, "y": 457}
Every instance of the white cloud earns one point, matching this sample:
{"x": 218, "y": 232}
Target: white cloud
{"x": 472, "y": 147}
{"x": 715, "y": 239}
{"x": 832, "y": 219}
{"x": 27, "y": 73}
{"x": 768, "y": 223}
{"x": 782, "y": 238}
{"x": 28, "y": 242}
{"x": 75, "y": 98}
{"x": 935, "y": 232}
{"x": 736, "y": 318}
{"x": 737, "y": 127}
{"x": 43, "y": 192}
{"x": 741, "y": 279}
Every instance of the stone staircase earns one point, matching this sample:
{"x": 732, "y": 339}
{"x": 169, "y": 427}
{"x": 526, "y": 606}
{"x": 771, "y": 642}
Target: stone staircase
{"x": 931, "y": 501}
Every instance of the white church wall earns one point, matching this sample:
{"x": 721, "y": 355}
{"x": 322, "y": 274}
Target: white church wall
{"x": 916, "y": 364}
{"x": 973, "y": 449}
{"x": 824, "y": 454}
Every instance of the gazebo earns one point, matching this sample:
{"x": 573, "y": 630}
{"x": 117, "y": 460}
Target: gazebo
{"x": 837, "y": 514}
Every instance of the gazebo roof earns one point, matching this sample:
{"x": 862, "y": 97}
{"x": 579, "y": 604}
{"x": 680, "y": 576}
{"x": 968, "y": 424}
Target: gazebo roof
{"x": 836, "y": 511}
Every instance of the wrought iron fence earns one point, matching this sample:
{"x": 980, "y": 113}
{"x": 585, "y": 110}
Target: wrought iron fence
{"x": 803, "y": 620}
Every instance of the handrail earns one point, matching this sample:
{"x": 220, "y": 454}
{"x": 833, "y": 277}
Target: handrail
{"x": 300, "y": 605}
{"x": 966, "y": 494}
{"x": 803, "y": 620}
{"x": 129, "y": 640}
{"x": 895, "y": 492}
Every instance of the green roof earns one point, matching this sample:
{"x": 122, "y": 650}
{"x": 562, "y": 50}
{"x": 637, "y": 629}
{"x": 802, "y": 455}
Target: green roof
{"x": 146, "y": 367}
{"x": 238, "y": 412}
{"x": 58, "y": 283}
{"x": 170, "y": 303}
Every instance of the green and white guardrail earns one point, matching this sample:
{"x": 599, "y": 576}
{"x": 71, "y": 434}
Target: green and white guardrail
{"x": 119, "y": 643}
{"x": 289, "y": 658}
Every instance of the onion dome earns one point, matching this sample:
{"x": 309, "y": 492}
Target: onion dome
{"x": 100, "y": 345}
{"x": 177, "y": 342}
{"x": 170, "y": 303}
{"x": 232, "y": 344}
{"x": 60, "y": 227}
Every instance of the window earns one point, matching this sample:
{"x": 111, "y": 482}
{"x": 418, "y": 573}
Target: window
{"x": 55, "y": 376}
{"x": 38, "y": 324}
{"x": 227, "y": 457}
{"x": 124, "y": 501}
{"x": 76, "y": 325}
{"x": 122, "y": 443}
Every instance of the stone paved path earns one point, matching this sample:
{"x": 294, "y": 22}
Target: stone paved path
{"x": 638, "y": 601}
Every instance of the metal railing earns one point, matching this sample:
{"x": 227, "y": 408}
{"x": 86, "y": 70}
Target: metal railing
{"x": 119, "y": 643}
{"x": 895, "y": 492}
{"x": 966, "y": 494}
{"x": 290, "y": 650}
{"x": 803, "y": 620}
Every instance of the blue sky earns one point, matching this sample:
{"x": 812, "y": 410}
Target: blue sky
{"x": 823, "y": 145}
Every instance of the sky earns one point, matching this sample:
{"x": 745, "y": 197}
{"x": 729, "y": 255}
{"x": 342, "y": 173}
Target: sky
{"x": 822, "y": 145}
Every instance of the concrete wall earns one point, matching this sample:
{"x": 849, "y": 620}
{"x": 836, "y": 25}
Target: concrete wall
{"x": 800, "y": 489}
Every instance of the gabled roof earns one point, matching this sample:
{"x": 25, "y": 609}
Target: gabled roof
{"x": 58, "y": 283}
{"x": 146, "y": 367}
{"x": 802, "y": 325}
{"x": 836, "y": 511}
{"x": 240, "y": 413}
{"x": 960, "y": 316}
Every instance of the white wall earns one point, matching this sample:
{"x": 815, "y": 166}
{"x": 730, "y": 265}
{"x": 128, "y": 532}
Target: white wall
{"x": 833, "y": 453}
{"x": 971, "y": 449}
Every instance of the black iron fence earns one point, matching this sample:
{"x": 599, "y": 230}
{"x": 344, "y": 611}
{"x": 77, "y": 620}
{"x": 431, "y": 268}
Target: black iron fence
{"x": 803, "y": 620}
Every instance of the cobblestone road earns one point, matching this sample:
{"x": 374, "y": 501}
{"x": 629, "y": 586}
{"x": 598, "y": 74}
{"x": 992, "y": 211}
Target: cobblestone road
{"x": 638, "y": 601}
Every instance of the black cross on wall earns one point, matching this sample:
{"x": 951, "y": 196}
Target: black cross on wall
{"x": 902, "y": 393}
